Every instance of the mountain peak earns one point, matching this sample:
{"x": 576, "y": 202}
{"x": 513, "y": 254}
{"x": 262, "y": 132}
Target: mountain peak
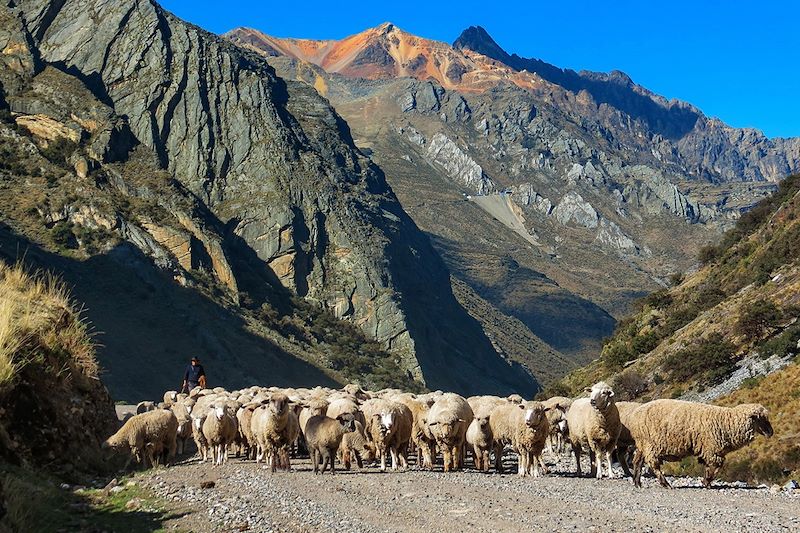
{"x": 477, "y": 39}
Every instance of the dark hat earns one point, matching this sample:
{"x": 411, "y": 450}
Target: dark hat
{"x": 195, "y": 359}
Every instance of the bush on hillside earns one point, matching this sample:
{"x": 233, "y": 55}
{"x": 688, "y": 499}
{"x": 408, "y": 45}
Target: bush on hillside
{"x": 756, "y": 317}
{"x": 708, "y": 361}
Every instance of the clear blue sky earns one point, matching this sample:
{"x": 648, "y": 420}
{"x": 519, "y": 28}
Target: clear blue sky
{"x": 736, "y": 60}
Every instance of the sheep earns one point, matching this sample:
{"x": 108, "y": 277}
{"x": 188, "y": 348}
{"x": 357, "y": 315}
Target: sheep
{"x": 669, "y": 430}
{"x": 182, "y": 413}
{"x": 219, "y": 429}
{"x": 479, "y": 433}
{"x": 531, "y": 429}
{"x": 557, "y": 417}
{"x": 323, "y": 438}
{"x": 144, "y": 407}
{"x": 421, "y": 435}
{"x": 313, "y": 407}
{"x": 355, "y": 446}
{"x": 146, "y": 436}
{"x": 625, "y": 441}
{"x": 244, "y": 417}
{"x": 448, "y": 421}
{"x": 389, "y": 428}
{"x": 200, "y": 439}
{"x": 515, "y": 398}
{"x": 594, "y": 422}
{"x": 275, "y": 427}
{"x": 170, "y": 397}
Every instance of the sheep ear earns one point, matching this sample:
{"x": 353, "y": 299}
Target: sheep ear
{"x": 433, "y": 423}
{"x": 521, "y": 406}
{"x": 376, "y": 415}
{"x": 548, "y": 409}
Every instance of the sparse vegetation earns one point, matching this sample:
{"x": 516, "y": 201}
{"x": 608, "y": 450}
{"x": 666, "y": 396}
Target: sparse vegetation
{"x": 756, "y": 317}
{"x": 59, "y": 150}
{"x": 708, "y": 361}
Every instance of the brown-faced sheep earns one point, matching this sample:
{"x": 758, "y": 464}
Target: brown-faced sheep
{"x": 669, "y": 430}
{"x": 594, "y": 422}
{"x": 146, "y": 436}
{"x": 448, "y": 421}
{"x": 323, "y": 438}
{"x": 355, "y": 446}
{"x": 557, "y": 417}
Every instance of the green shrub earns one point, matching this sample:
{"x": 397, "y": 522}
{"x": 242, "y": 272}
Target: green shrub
{"x": 708, "y": 254}
{"x": 63, "y": 236}
{"x": 659, "y": 299}
{"x": 708, "y": 361}
{"x": 782, "y": 344}
{"x": 756, "y": 317}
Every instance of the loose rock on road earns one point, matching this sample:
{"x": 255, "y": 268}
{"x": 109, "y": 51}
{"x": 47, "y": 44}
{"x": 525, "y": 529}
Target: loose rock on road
{"x": 247, "y": 497}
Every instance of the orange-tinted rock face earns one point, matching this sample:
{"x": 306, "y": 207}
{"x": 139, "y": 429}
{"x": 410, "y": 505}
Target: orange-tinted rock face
{"x": 388, "y": 52}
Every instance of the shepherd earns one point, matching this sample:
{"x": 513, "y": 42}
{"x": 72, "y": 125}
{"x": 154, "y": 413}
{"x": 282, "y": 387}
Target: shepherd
{"x": 194, "y": 376}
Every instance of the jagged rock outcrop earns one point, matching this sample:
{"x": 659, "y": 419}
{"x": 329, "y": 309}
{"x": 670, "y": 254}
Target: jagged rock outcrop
{"x": 269, "y": 162}
{"x": 573, "y": 208}
{"x": 457, "y": 164}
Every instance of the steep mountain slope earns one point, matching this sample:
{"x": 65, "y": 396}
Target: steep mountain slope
{"x": 554, "y": 195}
{"x": 194, "y": 154}
{"x": 723, "y": 332}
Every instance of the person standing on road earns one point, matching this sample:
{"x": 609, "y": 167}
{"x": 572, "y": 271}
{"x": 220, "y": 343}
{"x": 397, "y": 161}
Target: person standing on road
{"x": 194, "y": 376}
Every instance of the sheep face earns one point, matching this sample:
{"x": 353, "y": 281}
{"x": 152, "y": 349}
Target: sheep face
{"x": 348, "y": 422}
{"x": 600, "y": 396}
{"x": 483, "y": 421}
{"x": 386, "y": 421}
{"x": 219, "y": 411}
{"x": 278, "y": 404}
{"x": 533, "y": 414}
{"x": 515, "y": 398}
{"x": 759, "y": 419}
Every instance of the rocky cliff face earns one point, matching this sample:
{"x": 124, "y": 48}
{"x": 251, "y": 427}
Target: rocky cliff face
{"x": 601, "y": 173}
{"x": 241, "y": 162}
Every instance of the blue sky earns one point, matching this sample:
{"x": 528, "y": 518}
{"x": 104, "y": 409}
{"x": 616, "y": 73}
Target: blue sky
{"x": 736, "y": 60}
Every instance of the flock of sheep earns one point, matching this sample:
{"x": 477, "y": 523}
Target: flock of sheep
{"x": 352, "y": 425}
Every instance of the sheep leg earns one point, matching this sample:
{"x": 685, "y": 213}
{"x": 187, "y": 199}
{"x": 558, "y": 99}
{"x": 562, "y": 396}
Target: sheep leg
{"x": 325, "y": 461}
{"x": 543, "y": 467}
{"x": 576, "y": 449}
{"x": 608, "y": 465}
{"x": 656, "y": 466}
{"x": 498, "y": 458}
{"x": 638, "y": 462}
{"x": 382, "y": 453}
{"x": 595, "y": 469}
{"x": 711, "y": 471}
{"x": 393, "y": 453}
{"x": 522, "y": 463}
{"x": 446, "y": 453}
{"x": 622, "y": 455}
{"x": 332, "y": 457}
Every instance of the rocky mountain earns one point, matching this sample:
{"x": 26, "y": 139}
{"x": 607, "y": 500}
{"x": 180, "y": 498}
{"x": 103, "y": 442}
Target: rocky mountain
{"x": 201, "y": 203}
{"x": 554, "y": 195}
{"x": 728, "y": 333}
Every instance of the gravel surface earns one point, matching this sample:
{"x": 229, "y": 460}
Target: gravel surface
{"x": 247, "y": 497}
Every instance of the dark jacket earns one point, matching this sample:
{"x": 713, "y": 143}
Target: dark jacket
{"x": 192, "y": 374}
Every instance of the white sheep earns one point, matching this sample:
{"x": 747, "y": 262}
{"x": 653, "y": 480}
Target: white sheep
{"x": 448, "y": 421}
{"x": 388, "y": 427}
{"x": 669, "y": 430}
{"x": 219, "y": 429}
{"x": 625, "y": 442}
{"x": 275, "y": 427}
{"x": 594, "y": 422}
{"x": 146, "y": 436}
{"x": 531, "y": 429}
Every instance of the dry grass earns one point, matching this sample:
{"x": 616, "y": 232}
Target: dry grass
{"x": 39, "y": 323}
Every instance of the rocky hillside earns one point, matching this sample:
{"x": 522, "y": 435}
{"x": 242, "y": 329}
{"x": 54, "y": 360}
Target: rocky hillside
{"x": 202, "y": 204}
{"x": 729, "y": 333}
{"x": 554, "y": 195}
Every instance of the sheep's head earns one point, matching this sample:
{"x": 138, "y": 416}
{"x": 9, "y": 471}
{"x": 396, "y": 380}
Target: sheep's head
{"x": 279, "y": 404}
{"x": 482, "y": 420}
{"x": 759, "y": 418}
{"x": 348, "y": 421}
{"x": 173, "y": 396}
{"x": 601, "y": 395}
{"x": 386, "y": 421}
{"x": 534, "y": 413}
{"x": 515, "y": 398}
{"x": 443, "y": 430}
{"x": 219, "y": 411}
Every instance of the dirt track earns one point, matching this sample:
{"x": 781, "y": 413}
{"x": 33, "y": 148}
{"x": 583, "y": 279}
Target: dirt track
{"x": 247, "y": 497}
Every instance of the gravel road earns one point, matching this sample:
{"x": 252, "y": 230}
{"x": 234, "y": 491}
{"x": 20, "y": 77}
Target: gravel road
{"x": 247, "y": 497}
